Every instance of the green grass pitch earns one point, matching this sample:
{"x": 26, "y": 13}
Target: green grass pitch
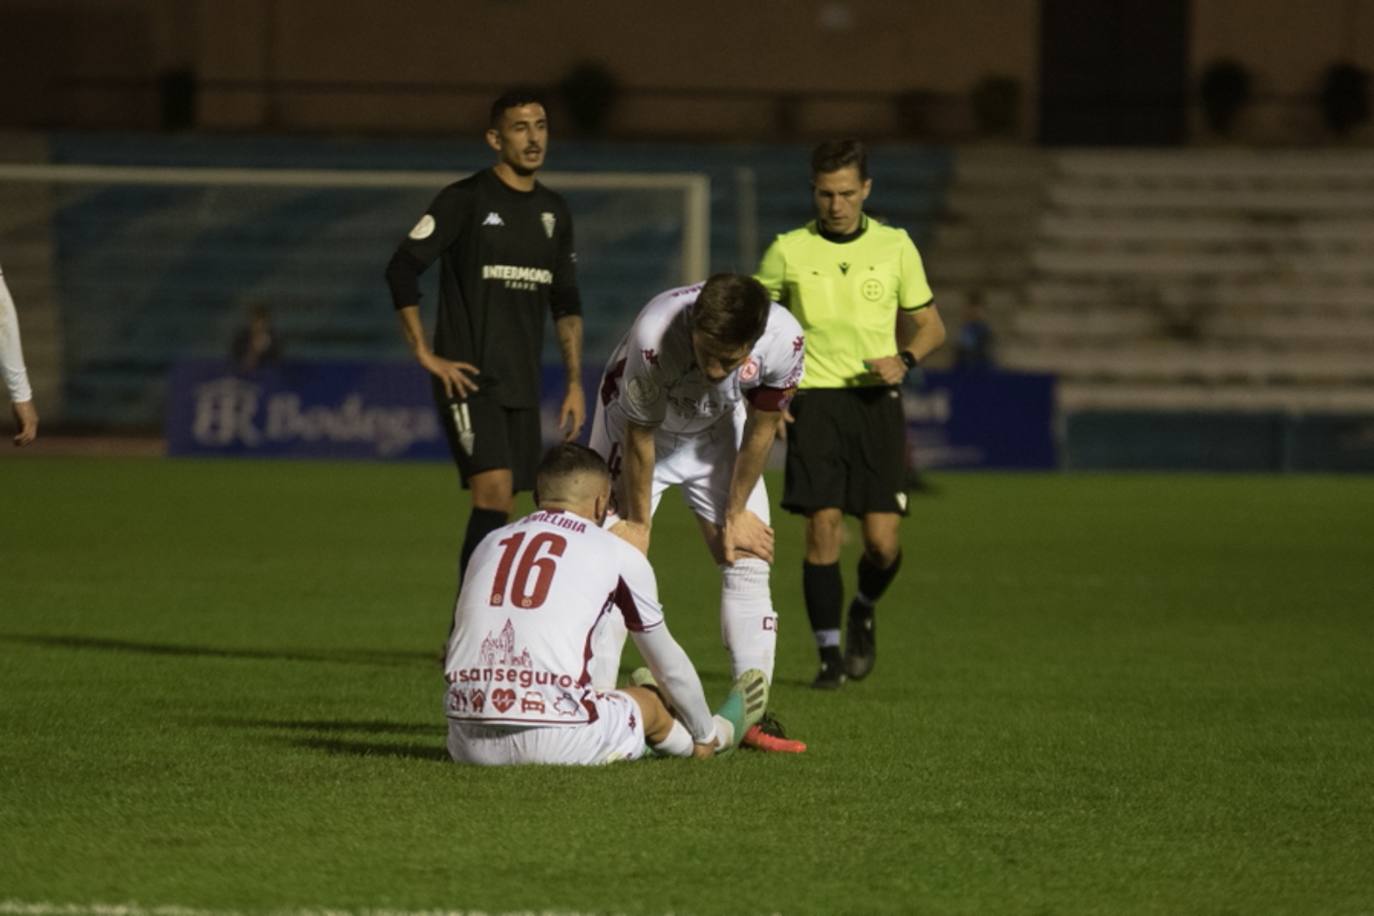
{"x": 1110, "y": 694}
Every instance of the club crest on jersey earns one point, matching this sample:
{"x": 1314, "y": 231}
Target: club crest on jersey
{"x": 423, "y": 229}
{"x": 750, "y": 370}
{"x": 901, "y": 501}
{"x": 549, "y": 222}
{"x": 493, "y": 219}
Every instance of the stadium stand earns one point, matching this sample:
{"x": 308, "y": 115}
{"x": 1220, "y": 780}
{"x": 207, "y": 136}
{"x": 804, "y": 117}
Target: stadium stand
{"x": 1200, "y": 280}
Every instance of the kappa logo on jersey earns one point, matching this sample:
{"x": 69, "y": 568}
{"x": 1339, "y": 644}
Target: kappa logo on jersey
{"x": 493, "y": 219}
{"x": 750, "y": 370}
{"x": 423, "y": 229}
{"x": 549, "y": 221}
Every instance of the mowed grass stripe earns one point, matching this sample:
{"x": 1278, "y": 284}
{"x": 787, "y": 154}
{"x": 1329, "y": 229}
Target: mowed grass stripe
{"x": 1095, "y": 693}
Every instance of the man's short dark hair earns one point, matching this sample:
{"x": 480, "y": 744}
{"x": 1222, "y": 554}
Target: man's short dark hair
{"x": 731, "y": 310}
{"x": 564, "y": 461}
{"x": 833, "y": 155}
{"x": 513, "y": 98}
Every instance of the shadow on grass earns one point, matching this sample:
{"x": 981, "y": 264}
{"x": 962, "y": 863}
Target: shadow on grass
{"x": 325, "y": 731}
{"x": 337, "y": 656}
{"x": 337, "y": 746}
{"x": 370, "y": 726}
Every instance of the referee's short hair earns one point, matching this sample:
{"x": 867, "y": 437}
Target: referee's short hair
{"x": 513, "y": 98}
{"x": 562, "y": 463}
{"x": 731, "y": 309}
{"x": 833, "y": 155}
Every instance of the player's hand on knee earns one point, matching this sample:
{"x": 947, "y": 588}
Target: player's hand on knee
{"x": 634, "y": 532}
{"x": 745, "y": 532}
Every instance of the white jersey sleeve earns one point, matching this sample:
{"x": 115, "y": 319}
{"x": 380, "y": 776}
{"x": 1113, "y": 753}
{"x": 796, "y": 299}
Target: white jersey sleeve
{"x": 11, "y": 353}
{"x": 777, "y": 363}
{"x": 636, "y": 595}
{"x": 656, "y": 353}
{"x": 637, "y": 600}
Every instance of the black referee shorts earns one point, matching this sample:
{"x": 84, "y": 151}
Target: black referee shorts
{"x": 485, "y": 436}
{"x": 846, "y": 449}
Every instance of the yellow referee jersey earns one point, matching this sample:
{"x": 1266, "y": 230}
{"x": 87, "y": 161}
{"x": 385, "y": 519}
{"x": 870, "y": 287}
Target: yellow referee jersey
{"x": 846, "y": 296}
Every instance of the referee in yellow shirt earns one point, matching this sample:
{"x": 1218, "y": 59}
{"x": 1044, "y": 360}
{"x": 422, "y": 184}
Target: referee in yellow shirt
{"x": 860, "y": 293}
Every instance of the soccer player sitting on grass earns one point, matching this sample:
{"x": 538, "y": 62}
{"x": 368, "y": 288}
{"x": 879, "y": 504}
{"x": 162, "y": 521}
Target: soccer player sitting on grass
{"x": 519, "y": 664}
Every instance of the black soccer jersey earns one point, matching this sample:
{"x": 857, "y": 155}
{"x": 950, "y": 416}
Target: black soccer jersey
{"x": 506, "y": 257}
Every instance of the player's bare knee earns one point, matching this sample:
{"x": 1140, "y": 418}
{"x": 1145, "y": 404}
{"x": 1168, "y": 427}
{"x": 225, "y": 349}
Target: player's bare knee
{"x": 493, "y": 490}
{"x": 824, "y": 536}
{"x": 658, "y": 722}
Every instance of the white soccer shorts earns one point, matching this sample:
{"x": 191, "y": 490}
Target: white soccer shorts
{"x": 701, "y": 464}
{"x": 617, "y": 734}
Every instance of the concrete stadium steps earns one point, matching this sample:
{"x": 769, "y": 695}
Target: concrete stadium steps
{"x": 980, "y": 248}
{"x": 1157, "y": 361}
{"x": 1198, "y": 397}
{"x": 1183, "y": 279}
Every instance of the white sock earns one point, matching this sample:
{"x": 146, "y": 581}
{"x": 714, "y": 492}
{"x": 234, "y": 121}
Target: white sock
{"x": 748, "y": 624}
{"x": 725, "y": 733}
{"x": 678, "y": 743}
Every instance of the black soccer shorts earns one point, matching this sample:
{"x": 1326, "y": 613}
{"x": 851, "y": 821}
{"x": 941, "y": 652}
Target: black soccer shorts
{"x": 485, "y": 436}
{"x": 846, "y": 449}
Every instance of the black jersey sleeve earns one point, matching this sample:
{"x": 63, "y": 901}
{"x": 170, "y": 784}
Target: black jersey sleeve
{"x": 439, "y": 228}
{"x": 564, "y": 298}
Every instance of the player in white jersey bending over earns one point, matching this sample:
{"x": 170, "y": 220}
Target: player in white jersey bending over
{"x": 693, "y": 396}
{"x": 16, "y": 378}
{"x": 520, "y": 660}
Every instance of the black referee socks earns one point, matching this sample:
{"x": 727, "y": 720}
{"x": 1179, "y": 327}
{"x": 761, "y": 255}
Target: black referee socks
{"x": 873, "y": 581}
{"x": 823, "y": 591}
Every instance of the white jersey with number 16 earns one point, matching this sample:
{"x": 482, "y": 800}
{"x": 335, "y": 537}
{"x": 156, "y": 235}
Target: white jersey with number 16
{"x": 534, "y": 594}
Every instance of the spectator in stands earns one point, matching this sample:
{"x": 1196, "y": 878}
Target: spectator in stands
{"x": 860, "y": 293}
{"x": 257, "y": 345}
{"x": 973, "y": 346}
{"x": 12, "y": 367}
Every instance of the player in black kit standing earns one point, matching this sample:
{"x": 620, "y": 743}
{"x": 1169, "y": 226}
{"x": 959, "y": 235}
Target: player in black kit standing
{"x": 505, "y": 247}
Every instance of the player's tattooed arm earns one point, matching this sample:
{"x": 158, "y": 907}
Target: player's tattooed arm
{"x": 573, "y": 413}
{"x": 743, "y": 530}
{"x": 637, "y": 470}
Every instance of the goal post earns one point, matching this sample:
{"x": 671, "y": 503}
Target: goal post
{"x": 119, "y": 270}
